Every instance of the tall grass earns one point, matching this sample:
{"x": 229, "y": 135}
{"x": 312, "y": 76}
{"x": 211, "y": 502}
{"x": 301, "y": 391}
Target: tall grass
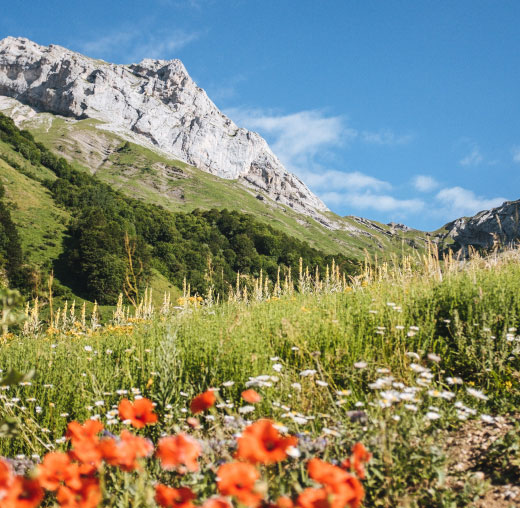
{"x": 463, "y": 314}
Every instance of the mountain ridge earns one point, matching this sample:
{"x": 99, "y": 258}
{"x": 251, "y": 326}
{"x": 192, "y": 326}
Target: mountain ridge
{"x": 157, "y": 101}
{"x": 96, "y": 98}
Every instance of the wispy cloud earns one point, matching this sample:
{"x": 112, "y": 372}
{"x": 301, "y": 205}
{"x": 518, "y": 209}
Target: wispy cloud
{"x": 340, "y": 180}
{"x": 300, "y": 140}
{"x": 130, "y": 45}
{"x": 425, "y": 183}
{"x": 371, "y": 201}
{"x": 457, "y": 201}
{"x": 516, "y": 154}
{"x": 473, "y": 158}
{"x": 298, "y": 136}
{"x": 226, "y": 90}
{"x": 385, "y": 137}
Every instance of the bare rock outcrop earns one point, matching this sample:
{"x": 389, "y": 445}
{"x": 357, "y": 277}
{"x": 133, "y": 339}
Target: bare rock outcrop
{"x": 156, "y": 102}
{"x": 499, "y": 226}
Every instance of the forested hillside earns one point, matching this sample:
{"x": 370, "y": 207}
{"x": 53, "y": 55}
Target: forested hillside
{"x": 208, "y": 248}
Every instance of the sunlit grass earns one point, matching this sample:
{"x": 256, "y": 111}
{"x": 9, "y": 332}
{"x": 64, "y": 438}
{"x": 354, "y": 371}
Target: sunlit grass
{"x": 395, "y": 360}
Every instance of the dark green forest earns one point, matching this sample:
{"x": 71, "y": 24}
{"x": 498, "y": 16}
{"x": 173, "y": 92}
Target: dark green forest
{"x": 207, "y": 247}
{"x": 11, "y": 256}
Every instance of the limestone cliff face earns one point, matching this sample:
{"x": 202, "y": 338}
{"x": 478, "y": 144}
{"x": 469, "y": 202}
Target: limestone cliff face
{"x": 498, "y": 226}
{"x": 154, "y": 101}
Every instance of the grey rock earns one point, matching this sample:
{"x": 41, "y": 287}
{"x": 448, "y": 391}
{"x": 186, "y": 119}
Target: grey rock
{"x": 155, "y": 103}
{"x": 498, "y": 227}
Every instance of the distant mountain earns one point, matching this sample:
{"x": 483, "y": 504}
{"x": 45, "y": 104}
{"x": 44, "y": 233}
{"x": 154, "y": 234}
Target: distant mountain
{"x": 499, "y": 227}
{"x": 154, "y": 103}
{"x": 149, "y": 131}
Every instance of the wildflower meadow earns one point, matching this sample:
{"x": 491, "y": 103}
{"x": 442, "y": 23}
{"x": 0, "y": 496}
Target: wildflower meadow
{"x": 315, "y": 392}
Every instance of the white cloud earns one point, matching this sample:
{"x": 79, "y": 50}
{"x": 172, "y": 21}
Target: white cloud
{"x": 474, "y": 158}
{"x": 133, "y": 44}
{"x": 425, "y": 183}
{"x": 370, "y": 201}
{"x": 385, "y": 137}
{"x": 457, "y": 201}
{"x": 516, "y": 154}
{"x": 339, "y": 180}
{"x": 298, "y": 136}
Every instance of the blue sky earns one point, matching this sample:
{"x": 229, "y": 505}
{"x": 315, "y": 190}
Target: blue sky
{"x": 393, "y": 110}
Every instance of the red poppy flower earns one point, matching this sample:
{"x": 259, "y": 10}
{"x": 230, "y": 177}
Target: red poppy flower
{"x": 179, "y": 450}
{"x": 6, "y": 478}
{"x": 140, "y": 413}
{"x": 313, "y": 498}
{"x": 360, "y": 456}
{"x": 168, "y": 497}
{"x": 238, "y": 479}
{"x": 85, "y": 440}
{"x": 202, "y": 402}
{"x": 23, "y": 493}
{"x": 125, "y": 452}
{"x": 325, "y": 473}
{"x": 342, "y": 487}
{"x": 88, "y": 431}
{"x": 284, "y": 502}
{"x": 87, "y": 496}
{"x": 251, "y": 396}
{"x": 57, "y": 469}
{"x": 262, "y": 443}
{"x": 217, "y": 502}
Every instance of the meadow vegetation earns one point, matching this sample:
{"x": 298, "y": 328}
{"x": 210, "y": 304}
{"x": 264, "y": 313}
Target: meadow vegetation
{"x": 394, "y": 358}
{"x": 208, "y": 248}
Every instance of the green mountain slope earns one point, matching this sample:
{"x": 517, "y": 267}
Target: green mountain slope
{"x": 154, "y": 177}
{"x": 73, "y": 223}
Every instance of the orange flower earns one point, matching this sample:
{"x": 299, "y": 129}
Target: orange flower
{"x": 360, "y": 456}
{"x": 125, "y": 452}
{"x": 251, "y": 396}
{"x": 180, "y": 450}
{"x": 88, "y": 455}
{"x": 313, "y": 498}
{"x": 193, "y": 422}
{"x": 168, "y": 497}
{"x": 140, "y": 413}
{"x": 86, "y": 432}
{"x": 202, "y": 402}
{"x": 325, "y": 473}
{"x": 87, "y": 496}
{"x": 262, "y": 443}
{"x": 217, "y": 502}
{"x": 57, "y": 469}
{"x": 238, "y": 479}
{"x": 85, "y": 440}
{"x": 6, "y": 478}
{"x": 284, "y": 502}
{"x": 23, "y": 493}
{"x": 344, "y": 488}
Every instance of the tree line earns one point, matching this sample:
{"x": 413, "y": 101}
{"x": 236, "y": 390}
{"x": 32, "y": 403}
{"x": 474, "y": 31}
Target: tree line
{"x": 205, "y": 247}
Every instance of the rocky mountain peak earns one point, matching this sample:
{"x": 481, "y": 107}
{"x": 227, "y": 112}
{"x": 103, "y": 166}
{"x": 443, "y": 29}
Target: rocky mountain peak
{"x": 498, "y": 227}
{"x": 155, "y": 102}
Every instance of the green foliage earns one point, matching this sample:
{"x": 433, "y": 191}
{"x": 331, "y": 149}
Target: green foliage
{"x": 207, "y": 248}
{"x": 10, "y": 312}
{"x": 11, "y": 256}
{"x": 502, "y": 459}
{"x": 171, "y": 360}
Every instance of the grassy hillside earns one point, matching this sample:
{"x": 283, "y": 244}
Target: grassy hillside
{"x": 399, "y": 362}
{"x": 99, "y": 241}
{"x": 42, "y": 223}
{"x": 153, "y": 176}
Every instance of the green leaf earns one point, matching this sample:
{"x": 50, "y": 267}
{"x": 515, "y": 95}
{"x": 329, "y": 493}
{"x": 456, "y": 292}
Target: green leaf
{"x": 13, "y": 378}
{"x": 8, "y": 427}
